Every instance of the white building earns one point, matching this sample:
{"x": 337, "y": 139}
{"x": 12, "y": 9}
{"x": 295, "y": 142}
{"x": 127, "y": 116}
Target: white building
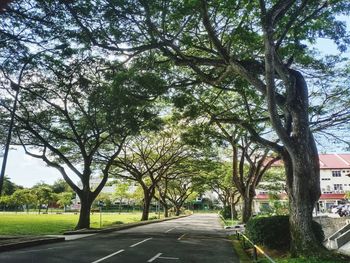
{"x": 334, "y": 182}
{"x": 335, "y": 173}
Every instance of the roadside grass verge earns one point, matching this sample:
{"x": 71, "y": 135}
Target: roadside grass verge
{"x": 242, "y": 255}
{"x": 51, "y": 224}
{"x": 282, "y": 256}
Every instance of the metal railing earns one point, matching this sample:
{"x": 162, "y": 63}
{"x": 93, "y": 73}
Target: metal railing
{"x": 256, "y": 248}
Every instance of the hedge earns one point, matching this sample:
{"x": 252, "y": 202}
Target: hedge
{"x": 273, "y": 232}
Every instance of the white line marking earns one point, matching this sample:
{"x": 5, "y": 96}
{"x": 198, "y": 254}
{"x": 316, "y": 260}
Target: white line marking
{"x": 134, "y": 245}
{"x": 181, "y": 237}
{"x": 155, "y": 257}
{"x": 111, "y": 255}
{"x": 170, "y": 230}
{"x": 168, "y": 258}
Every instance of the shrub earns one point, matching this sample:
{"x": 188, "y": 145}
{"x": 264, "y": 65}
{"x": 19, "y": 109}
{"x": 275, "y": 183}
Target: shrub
{"x": 318, "y": 231}
{"x": 273, "y": 232}
{"x": 226, "y": 213}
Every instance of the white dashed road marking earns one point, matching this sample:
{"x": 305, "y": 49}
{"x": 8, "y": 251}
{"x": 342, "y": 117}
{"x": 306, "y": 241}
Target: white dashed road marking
{"x": 155, "y": 257}
{"x": 170, "y": 230}
{"x": 134, "y": 245}
{"x": 111, "y": 255}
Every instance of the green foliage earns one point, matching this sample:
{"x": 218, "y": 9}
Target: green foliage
{"x": 44, "y": 195}
{"x": 6, "y": 200}
{"x": 336, "y": 258}
{"x": 122, "y": 190}
{"x": 64, "y": 199}
{"x": 226, "y": 212}
{"x": 24, "y": 197}
{"x": 106, "y": 200}
{"x": 60, "y": 186}
{"x": 273, "y": 232}
{"x": 8, "y": 187}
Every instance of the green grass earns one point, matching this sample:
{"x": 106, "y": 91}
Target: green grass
{"x": 242, "y": 255}
{"x": 283, "y": 257}
{"x": 305, "y": 260}
{"x": 49, "y": 224}
{"x": 229, "y": 222}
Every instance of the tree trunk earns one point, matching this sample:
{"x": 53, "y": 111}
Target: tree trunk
{"x": 146, "y": 205}
{"x": 234, "y": 214}
{"x": 247, "y": 208}
{"x": 177, "y": 210}
{"x": 303, "y": 173}
{"x": 303, "y": 184}
{"x": 85, "y": 209}
{"x": 166, "y": 210}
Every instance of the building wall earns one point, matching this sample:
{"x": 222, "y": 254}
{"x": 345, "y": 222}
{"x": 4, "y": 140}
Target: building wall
{"x": 335, "y": 180}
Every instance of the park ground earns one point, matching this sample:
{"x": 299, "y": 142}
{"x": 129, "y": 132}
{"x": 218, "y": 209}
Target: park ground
{"x": 51, "y": 224}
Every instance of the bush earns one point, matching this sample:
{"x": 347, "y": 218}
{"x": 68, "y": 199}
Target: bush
{"x": 273, "y": 232}
{"x": 226, "y": 213}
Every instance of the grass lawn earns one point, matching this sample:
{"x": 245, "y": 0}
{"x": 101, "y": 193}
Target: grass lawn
{"x": 48, "y": 224}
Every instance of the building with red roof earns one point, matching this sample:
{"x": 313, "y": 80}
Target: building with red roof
{"x": 334, "y": 182}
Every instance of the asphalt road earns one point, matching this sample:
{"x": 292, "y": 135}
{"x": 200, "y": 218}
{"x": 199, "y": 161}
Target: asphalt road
{"x": 197, "y": 238}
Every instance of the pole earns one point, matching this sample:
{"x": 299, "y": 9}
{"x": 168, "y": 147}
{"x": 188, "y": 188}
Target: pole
{"x": 231, "y": 206}
{"x": 100, "y": 216}
{"x": 8, "y": 139}
{"x": 158, "y": 209}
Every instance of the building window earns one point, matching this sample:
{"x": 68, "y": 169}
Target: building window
{"x": 338, "y": 187}
{"x": 336, "y": 173}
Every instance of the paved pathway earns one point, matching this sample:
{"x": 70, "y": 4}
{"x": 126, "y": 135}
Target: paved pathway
{"x": 197, "y": 238}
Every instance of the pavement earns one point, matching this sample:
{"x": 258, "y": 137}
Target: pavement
{"x": 197, "y": 238}
{"x": 345, "y": 250}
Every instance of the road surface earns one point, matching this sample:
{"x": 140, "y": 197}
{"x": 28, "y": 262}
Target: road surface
{"x": 197, "y": 238}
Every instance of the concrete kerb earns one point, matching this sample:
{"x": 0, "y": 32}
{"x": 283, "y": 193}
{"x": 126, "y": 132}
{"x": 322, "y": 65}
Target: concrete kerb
{"x": 17, "y": 244}
{"x": 120, "y": 227}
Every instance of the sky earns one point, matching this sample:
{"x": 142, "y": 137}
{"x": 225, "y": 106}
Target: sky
{"x": 25, "y": 170}
{"x": 28, "y": 171}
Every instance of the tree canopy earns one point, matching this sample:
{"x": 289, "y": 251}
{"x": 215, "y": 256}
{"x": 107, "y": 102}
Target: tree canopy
{"x": 252, "y": 64}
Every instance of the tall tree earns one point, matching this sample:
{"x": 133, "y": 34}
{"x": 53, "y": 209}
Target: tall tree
{"x": 43, "y": 195}
{"x": 224, "y": 43}
{"x": 64, "y": 199}
{"x": 9, "y": 187}
{"x": 77, "y": 113}
{"x": 147, "y": 158}
{"x": 219, "y": 180}
{"x": 24, "y": 197}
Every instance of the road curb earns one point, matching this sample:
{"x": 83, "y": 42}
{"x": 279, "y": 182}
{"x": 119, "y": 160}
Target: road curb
{"x": 120, "y": 227}
{"x": 28, "y": 243}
